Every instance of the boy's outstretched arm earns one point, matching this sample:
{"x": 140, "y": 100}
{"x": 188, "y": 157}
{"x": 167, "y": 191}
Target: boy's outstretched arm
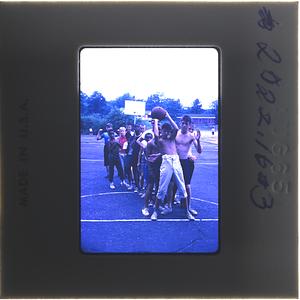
{"x": 99, "y": 135}
{"x": 174, "y": 125}
{"x": 155, "y": 127}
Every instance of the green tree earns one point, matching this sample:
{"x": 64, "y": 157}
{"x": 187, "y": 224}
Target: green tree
{"x": 97, "y": 121}
{"x": 153, "y": 100}
{"x": 97, "y": 104}
{"x": 94, "y": 121}
{"x": 214, "y": 107}
{"x": 196, "y": 108}
{"x": 84, "y": 99}
{"x": 118, "y": 119}
{"x": 173, "y": 107}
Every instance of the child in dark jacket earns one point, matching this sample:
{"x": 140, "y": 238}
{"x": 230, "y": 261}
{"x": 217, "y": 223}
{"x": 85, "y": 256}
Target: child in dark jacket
{"x": 114, "y": 160}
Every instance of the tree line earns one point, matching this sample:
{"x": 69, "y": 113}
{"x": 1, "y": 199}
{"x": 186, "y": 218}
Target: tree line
{"x": 96, "y": 112}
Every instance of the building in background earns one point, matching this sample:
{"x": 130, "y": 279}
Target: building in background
{"x": 202, "y": 120}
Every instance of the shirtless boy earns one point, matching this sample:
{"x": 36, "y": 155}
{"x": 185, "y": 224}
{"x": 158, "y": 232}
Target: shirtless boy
{"x": 184, "y": 141}
{"x": 170, "y": 164}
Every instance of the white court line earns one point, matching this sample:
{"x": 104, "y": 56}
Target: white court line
{"x": 89, "y": 143}
{"x": 107, "y": 193}
{"x": 206, "y": 163}
{"x": 116, "y": 193}
{"x": 210, "y": 202}
{"x": 148, "y": 220}
{"x": 95, "y": 160}
{"x": 87, "y": 159}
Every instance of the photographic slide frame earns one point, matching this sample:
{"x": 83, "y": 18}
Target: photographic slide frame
{"x": 40, "y": 124}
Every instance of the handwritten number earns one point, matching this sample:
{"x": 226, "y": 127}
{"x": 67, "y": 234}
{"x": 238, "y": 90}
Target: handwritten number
{"x": 271, "y": 53}
{"x": 263, "y": 117}
{"x": 262, "y": 160}
{"x": 265, "y": 94}
{"x": 262, "y": 180}
{"x": 266, "y": 21}
{"x": 261, "y": 198}
{"x": 270, "y": 77}
{"x": 260, "y": 194}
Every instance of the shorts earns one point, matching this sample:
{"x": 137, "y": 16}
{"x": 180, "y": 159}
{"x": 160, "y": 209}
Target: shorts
{"x": 143, "y": 164}
{"x": 188, "y": 167}
{"x": 154, "y": 172}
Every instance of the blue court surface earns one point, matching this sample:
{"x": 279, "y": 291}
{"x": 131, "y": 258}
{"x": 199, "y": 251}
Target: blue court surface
{"x": 112, "y": 222}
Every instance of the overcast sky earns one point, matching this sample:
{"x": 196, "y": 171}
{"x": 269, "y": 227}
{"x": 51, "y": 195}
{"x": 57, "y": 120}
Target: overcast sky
{"x": 178, "y": 73}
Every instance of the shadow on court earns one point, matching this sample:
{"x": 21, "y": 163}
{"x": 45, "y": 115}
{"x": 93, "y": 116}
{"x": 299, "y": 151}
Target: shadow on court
{"x": 112, "y": 222}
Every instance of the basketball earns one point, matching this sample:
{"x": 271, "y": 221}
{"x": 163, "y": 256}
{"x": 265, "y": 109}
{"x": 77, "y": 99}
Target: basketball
{"x": 158, "y": 113}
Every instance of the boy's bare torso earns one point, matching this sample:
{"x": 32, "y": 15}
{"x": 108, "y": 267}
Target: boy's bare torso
{"x": 184, "y": 144}
{"x": 167, "y": 146}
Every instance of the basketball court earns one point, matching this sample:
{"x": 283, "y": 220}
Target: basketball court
{"x": 112, "y": 222}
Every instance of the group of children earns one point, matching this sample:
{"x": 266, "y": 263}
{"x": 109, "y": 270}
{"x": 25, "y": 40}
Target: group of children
{"x": 121, "y": 150}
{"x": 157, "y": 161}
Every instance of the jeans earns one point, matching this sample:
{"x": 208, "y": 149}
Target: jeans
{"x": 115, "y": 161}
{"x": 131, "y": 167}
{"x": 171, "y": 166}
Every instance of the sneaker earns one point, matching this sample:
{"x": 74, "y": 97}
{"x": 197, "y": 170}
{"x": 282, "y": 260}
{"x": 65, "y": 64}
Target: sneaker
{"x": 190, "y": 216}
{"x": 154, "y": 216}
{"x": 142, "y": 191}
{"x": 176, "y": 201}
{"x": 161, "y": 208}
{"x": 166, "y": 210}
{"x": 136, "y": 190}
{"x": 151, "y": 203}
{"x": 193, "y": 212}
{"x": 112, "y": 186}
{"x": 143, "y": 195}
{"x": 123, "y": 183}
{"x": 130, "y": 187}
{"x": 145, "y": 212}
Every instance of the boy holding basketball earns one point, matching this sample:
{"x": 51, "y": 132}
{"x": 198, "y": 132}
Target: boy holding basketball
{"x": 170, "y": 163}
